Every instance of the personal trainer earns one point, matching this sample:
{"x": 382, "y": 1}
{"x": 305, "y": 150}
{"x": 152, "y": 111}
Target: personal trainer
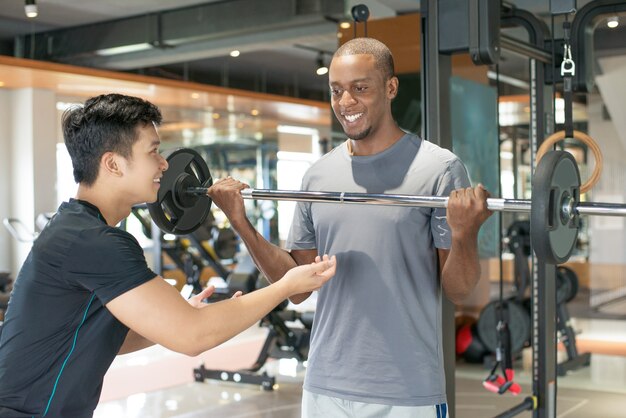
{"x": 85, "y": 293}
{"x": 376, "y": 347}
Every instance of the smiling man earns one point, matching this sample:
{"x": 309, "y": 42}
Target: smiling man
{"x": 376, "y": 340}
{"x": 85, "y": 293}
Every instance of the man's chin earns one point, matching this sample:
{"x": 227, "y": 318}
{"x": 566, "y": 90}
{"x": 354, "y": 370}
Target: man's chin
{"x": 358, "y": 135}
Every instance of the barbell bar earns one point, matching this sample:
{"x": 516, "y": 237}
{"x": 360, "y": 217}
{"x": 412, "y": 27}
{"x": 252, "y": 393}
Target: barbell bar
{"x": 183, "y": 204}
{"x": 493, "y": 204}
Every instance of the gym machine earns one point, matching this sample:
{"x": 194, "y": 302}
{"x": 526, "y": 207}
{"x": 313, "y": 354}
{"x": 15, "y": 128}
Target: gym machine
{"x": 482, "y": 39}
{"x": 517, "y": 306}
{"x": 282, "y": 340}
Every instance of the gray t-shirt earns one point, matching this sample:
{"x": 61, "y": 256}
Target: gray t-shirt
{"x": 377, "y": 331}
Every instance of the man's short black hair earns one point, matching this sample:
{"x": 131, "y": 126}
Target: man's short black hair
{"x": 106, "y": 123}
{"x": 381, "y": 53}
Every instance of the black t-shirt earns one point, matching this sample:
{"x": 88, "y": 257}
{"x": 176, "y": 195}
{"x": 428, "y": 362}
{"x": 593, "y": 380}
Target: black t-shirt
{"x": 58, "y": 338}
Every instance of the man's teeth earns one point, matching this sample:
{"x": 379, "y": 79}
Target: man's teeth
{"x": 157, "y": 180}
{"x": 352, "y": 118}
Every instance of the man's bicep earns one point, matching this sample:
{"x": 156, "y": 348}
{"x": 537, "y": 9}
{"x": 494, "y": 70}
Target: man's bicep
{"x": 154, "y": 310}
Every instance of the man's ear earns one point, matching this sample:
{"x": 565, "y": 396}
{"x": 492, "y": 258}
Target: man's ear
{"x": 392, "y": 87}
{"x": 111, "y": 163}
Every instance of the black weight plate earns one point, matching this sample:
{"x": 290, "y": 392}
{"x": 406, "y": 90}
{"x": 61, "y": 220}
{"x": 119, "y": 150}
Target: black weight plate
{"x": 556, "y": 178}
{"x": 476, "y": 350}
{"x": 566, "y": 284}
{"x": 175, "y": 211}
{"x": 518, "y": 320}
{"x": 518, "y": 234}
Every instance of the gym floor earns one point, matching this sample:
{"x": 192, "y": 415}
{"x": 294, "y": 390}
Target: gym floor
{"x": 157, "y": 383}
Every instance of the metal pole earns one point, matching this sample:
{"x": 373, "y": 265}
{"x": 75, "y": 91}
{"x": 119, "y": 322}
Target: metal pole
{"x": 501, "y": 205}
{"x": 436, "y": 70}
{"x": 601, "y": 209}
{"x": 493, "y": 204}
{"x": 525, "y": 49}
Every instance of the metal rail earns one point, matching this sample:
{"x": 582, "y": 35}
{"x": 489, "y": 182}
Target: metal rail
{"x": 525, "y": 49}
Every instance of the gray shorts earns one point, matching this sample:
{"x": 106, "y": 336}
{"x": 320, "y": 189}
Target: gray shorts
{"x": 321, "y": 406}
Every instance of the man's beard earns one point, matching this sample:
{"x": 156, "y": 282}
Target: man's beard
{"x": 360, "y": 135}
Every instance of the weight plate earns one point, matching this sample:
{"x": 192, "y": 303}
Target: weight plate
{"x": 175, "y": 211}
{"x": 517, "y": 318}
{"x": 518, "y": 235}
{"x": 566, "y": 284}
{"x": 556, "y": 186}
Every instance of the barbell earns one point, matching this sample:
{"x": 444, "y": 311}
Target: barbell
{"x": 182, "y": 203}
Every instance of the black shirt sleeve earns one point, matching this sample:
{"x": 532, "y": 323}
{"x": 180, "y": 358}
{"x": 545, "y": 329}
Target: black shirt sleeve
{"x": 107, "y": 261}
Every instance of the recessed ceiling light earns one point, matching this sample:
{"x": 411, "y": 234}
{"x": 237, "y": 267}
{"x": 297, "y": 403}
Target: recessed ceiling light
{"x": 322, "y": 70}
{"x": 30, "y": 8}
{"x": 254, "y": 112}
{"x": 612, "y": 22}
{"x": 235, "y": 53}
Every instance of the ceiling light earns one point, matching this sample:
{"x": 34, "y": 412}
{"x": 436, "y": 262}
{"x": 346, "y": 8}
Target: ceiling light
{"x": 124, "y": 49}
{"x": 612, "y": 22}
{"x": 254, "y": 112}
{"x": 195, "y": 95}
{"x": 30, "y": 8}
{"x": 235, "y": 53}
{"x": 321, "y": 67}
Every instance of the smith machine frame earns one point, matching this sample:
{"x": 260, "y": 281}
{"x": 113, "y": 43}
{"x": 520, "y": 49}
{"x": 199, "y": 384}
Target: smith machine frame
{"x": 483, "y": 41}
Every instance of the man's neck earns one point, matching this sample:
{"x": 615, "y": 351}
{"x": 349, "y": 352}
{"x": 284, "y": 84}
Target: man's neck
{"x": 113, "y": 210}
{"x": 377, "y": 142}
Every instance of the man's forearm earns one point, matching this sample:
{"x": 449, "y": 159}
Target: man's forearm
{"x": 462, "y": 269}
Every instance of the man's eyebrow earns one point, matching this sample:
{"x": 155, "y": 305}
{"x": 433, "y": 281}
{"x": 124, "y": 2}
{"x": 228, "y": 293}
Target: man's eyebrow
{"x": 358, "y": 80}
